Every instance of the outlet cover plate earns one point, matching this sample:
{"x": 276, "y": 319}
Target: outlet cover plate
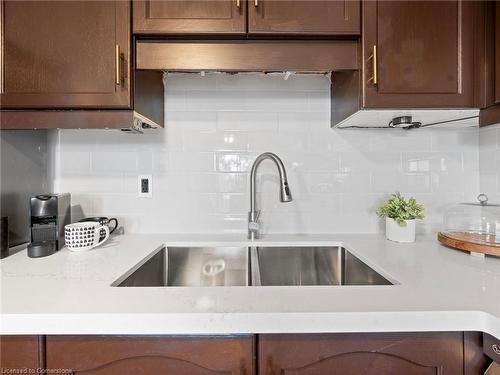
{"x": 145, "y": 186}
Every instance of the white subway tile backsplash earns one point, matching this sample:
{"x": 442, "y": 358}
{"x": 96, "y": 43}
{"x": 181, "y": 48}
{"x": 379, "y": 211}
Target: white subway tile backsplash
{"x": 489, "y": 162}
{"x": 160, "y": 162}
{"x": 384, "y": 182}
{"x": 116, "y": 204}
{"x": 353, "y": 140}
{"x": 191, "y": 161}
{"x": 203, "y": 100}
{"x": 289, "y": 142}
{"x": 247, "y": 121}
{"x": 321, "y": 140}
{"x": 216, "y": 141}
{"x": 144, "y": 162}
{"x": 114, "y": 162}
{"x": 433, "y": 162}
{"x": 216, "y": 182}
{"x": 303, "y": 122}
{"x": 488, "y": 139}
{"x": 272, "y": 82}
{"x": 234, "y": 162}
{"x": 232, "y": 182}
{"x": 191, "y": 81}
{"x": 417, "y": 182}
{"x": 82, "y": 206}
{"x": 230, "y": 203}
{"x": 352, "y": 183}
{"x": 89, "y": 184}
{"x": 277, "y": 101}
{"x": 454, "y": 183}
{"x": 457, "y": 140}
{"x": 318, "y": 101}
{"x": 470, "y": 161}
{"x": 72, "y": 141}
{"x": 401, "y": 140}
{"x": 321, "y": 182}
{"x": 191, "y": 121}
{"x": 318, "y": 162}
{"x": 74, "y": 162}
{"x": 218, "y": 124}
{"x": 175, "y": 101}
{"x": 370, "y": 161}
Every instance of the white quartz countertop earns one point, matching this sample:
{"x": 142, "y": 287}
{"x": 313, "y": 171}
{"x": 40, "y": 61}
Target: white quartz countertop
{"x": 437, "y": 289}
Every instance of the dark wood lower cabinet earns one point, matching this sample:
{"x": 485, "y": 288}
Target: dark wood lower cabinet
{"x": 438, "y": 353}
{"x": 131, "y": 355}
{"x": 364, "y": 353}
{"x": 21, "y": 352}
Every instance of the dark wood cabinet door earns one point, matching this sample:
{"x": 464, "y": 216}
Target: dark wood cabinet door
{"x": 354, "y": 354}
{"x": 131, "y": 355}
{"x": 190, "y": 17}
{"x": 65, "y": 54}
{"x": 304, "y": 17}
{"x": 20, "y": 352}
{"x": 424, "y": 54}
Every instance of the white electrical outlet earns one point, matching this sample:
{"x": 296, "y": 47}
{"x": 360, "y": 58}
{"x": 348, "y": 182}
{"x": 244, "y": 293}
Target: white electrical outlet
{"x": 145, "y": 186}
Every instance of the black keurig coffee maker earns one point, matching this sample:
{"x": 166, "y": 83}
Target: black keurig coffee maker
{"x": 49, "y": 213}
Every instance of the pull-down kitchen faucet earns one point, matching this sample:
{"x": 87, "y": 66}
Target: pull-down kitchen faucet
{"x": 285, "y": 194}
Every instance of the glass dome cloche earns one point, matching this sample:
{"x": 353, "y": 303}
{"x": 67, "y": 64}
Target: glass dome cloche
{"x": 473, "y": 227}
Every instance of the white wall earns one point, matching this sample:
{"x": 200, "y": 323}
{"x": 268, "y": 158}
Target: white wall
{"x": 489, "y": 157}
{"x": 216, "y": 125}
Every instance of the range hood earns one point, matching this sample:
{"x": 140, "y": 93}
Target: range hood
{"x": 247, "y": 55}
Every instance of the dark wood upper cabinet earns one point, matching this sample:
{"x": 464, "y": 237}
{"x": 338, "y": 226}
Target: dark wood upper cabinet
{"x": 190, "y": 17}
{"x": 304, "y": 17}
{"x": 131, "y": 355}
{"x": 65, "y": 54}
{"x": 418, "y": 54}
{"x": 491, "y": 114}
{"x": 354, "y": 354}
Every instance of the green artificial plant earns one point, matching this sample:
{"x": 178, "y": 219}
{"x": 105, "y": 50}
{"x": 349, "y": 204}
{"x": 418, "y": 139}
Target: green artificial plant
{"x": 400, "y": 209}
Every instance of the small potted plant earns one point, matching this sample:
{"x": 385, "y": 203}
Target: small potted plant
{"x": 400, "y": 215}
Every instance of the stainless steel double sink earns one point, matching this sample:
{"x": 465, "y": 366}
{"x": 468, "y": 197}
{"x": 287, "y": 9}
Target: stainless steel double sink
{"x": 250, "y": 266}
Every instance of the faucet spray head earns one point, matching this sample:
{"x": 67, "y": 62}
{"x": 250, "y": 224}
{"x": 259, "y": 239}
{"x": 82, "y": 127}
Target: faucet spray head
{"x": 285, "y": 193}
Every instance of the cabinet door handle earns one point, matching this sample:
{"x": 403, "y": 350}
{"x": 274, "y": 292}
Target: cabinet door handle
{"x": 256, "y": 3}
{"x": 373, "y": 57}
{"x": 238, "y": 3}
{"x": 118, "y": 67}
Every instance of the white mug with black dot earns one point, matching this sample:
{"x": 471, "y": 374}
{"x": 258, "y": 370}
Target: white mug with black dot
{"x": 85, "y": 235}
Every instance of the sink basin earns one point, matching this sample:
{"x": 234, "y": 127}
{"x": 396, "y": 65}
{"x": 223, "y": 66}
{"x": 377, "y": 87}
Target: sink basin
{"x": 311, "y": 266}
{"x": 191, "y": 266}
{"x": 257, "y": 266}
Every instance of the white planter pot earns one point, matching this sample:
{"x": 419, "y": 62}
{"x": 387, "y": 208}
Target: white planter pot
{"x": 395, "y": 232}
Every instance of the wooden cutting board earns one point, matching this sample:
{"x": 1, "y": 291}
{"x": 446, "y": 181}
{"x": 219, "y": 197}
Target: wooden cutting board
{"x": 471, "y": 242}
